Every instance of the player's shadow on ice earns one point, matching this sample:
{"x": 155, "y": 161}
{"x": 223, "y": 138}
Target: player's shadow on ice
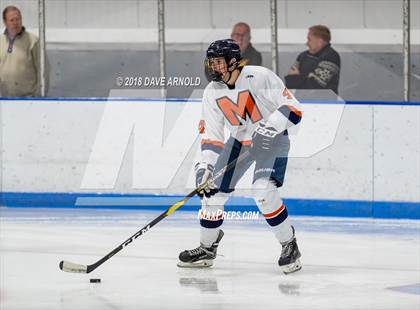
{"x": 289, "y": 288}
{"x": 205, "y": 285}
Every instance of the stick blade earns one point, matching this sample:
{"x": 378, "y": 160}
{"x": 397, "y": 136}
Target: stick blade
{"x": 71, "y": 267}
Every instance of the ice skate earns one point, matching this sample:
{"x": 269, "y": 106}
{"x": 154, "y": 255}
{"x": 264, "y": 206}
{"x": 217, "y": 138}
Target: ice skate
{"x": 289, "y": 260}
{"x": 201, "y": 256}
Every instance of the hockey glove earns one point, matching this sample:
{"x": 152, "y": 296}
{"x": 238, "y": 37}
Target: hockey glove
{"x": 263, "y": 139}
{"x": 203, "y": 176}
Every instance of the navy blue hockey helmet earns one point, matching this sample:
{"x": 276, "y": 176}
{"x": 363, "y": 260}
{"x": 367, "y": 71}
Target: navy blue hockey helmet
{"x": 227, "y": 49}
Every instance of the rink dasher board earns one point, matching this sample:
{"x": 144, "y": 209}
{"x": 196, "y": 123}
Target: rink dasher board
{"x": 393, "y": 195}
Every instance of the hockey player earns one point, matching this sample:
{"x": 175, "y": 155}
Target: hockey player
{"x": 253, "y": 103}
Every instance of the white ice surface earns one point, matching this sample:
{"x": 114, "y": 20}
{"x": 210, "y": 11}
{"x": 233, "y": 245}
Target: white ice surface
{"x": 347, "y": 263}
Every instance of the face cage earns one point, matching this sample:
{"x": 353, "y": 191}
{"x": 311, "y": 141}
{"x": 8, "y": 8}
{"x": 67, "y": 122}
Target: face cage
{"x": 212, "y": 75}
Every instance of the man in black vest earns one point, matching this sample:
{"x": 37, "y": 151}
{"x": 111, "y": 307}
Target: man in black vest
{"x": 319, "y": 66}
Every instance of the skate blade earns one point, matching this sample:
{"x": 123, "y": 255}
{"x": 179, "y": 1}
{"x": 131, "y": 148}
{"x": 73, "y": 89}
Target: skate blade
{"x": 296, "y": 266}
{"x": 198, "y": 264}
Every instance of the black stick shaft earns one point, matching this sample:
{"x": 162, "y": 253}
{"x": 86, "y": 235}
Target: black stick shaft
{"x": 146, "y": 228}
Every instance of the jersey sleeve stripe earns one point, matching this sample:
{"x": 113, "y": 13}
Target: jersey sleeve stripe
{"x": 291, "y": 113}
{"x": 294, "y": 110}
{"x": 246, "y": 142}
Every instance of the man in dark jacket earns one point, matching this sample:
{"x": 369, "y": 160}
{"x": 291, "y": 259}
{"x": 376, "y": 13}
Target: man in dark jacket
{"x": 241, "y": 34}
{"x": 319, "y": 66}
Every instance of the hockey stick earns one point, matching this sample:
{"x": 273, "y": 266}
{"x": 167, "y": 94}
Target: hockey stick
{"x": 79, "y": 268}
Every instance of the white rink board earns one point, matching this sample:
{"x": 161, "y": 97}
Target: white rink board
{"x": 47, "y": 146}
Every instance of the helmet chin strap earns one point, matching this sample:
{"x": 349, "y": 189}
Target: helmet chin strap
{"x": 232, "y": 70}
{"x": 226, "y": 77}
{"x": 232, "y": 77}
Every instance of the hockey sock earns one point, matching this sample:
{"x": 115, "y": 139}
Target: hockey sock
{"x": 271, "y": 205}
{"x": 211, "y": 218}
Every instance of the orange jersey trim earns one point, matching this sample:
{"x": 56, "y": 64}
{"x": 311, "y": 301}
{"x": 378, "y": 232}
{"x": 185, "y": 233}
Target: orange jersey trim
{"x": 294, "y": 110}
{"x": 213, "y": 142}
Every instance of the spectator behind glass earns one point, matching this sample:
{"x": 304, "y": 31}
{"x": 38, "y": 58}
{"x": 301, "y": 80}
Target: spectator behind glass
{"x": 319, "y": 66}
{"x": 241, "y": 34}
{"x": 19, "y": 58}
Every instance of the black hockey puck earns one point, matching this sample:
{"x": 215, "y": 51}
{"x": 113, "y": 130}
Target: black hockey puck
{"x": 95, "y": 280}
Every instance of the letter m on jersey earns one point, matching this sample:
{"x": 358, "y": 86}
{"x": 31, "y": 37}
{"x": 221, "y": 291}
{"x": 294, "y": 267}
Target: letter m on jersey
{"x": 236, "y": 112}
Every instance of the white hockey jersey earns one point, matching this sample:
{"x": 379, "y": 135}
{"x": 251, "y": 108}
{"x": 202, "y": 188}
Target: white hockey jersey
{"x": 259, "y": 96}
